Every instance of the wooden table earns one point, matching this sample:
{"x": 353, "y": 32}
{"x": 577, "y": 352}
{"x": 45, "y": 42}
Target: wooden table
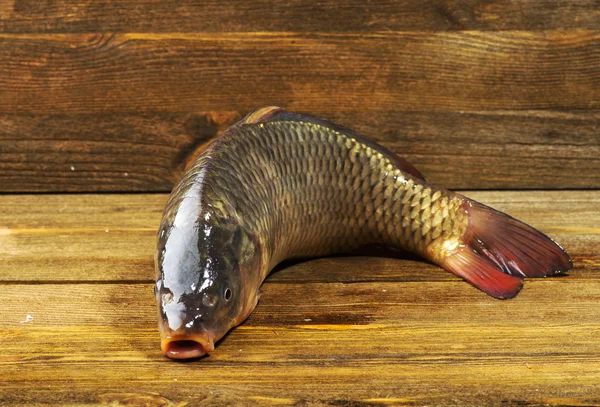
{"x": 78, "y": 321}
{"x": 102, "y": 102}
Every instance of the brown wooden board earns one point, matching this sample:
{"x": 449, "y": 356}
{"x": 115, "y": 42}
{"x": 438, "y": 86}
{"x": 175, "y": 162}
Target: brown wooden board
{"x": 77, "y": 16}
{"x": 425, "y": 343}
{"x": 93, "y": 112}
{"x": 144, "y": 152}
{"x": 322, "y": 73}
{"x": 78, "y": 324}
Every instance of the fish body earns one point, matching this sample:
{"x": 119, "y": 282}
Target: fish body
{"x": 280, "y": 185}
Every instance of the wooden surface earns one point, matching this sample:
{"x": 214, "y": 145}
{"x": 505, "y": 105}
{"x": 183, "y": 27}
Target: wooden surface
{"x": 142, "y": 152}
{"x": 76, "y": 16}
{"x": 397, "y": 71}
{"x": 110, "y": 96}
{"x": 337, "y": 331}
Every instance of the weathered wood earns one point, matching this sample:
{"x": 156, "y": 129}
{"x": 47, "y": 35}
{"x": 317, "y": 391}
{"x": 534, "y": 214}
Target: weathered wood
{"x": 101, "y": 152}
{"x": 77, "y": 16}
{"x": 391, "y": 71}
{"x": 421, "y": 342}
{"x": 96, "y": 112}
{"x": 401, "y": 364}
{"x": 111, "y": 238}
{"x": 78, "y": 324}
{"x": 143, "y": 152}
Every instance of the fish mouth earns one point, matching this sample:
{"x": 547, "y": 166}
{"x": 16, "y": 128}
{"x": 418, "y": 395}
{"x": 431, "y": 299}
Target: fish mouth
{"x": 187, "y": 346}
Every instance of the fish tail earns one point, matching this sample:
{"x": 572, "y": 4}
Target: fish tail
{"x": 498, "y": 251}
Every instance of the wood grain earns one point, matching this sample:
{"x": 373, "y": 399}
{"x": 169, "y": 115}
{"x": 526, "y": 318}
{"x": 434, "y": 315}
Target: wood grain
{"x": 144, "y": 152}
{"x": 117, "y": 152}
{"x": 78, "y": 326}
{"x": 391, "y": 71}
{"x": 410, "y": 341}
{"x": 113, "y": 96}
{"x": 77, "y": 16}
{"x": 104, "y": 112}
{"x": 111, "y": 238}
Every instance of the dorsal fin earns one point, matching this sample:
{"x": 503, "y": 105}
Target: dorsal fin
{"x": 262, "y": 115}
{"x": 278, "y": 114}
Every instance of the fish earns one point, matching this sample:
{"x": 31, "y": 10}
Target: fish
{"x": 280, "y": 185}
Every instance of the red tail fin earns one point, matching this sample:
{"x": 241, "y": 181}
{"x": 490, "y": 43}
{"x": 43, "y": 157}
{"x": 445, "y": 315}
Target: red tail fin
{"x": 500, "y": 251}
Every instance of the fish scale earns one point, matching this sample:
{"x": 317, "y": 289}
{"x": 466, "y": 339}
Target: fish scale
{"x": 279, "y": 185}
{"x": 291, "y": 169}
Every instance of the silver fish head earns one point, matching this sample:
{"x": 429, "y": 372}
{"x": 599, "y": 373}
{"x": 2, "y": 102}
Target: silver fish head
{"x": 206, "y": 275}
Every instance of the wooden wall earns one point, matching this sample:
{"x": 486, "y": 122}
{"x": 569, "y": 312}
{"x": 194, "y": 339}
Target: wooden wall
{"x": 111, "y": 96}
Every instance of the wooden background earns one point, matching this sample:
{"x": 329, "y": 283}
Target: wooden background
{"x": 108, "y": 96}
{"x": 111, "y": 96}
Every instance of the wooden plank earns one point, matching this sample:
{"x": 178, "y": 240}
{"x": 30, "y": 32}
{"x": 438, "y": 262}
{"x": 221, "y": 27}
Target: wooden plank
{"x": 68, "y": 237}
{"x": 55, "y": 238}
{"x": 77, "y": 16}
{"x": 78, "y": 321}
{"x": 389, "y": 71}
{"x": 99, "y": 152}
{"x": 144, "y": 152}
{"x": 427, "y": 343}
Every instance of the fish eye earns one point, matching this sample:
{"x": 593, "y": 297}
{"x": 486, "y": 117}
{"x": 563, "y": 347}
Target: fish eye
{"x": 227, "y": 293}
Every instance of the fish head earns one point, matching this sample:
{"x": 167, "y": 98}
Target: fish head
{"x": 207, "y": 283}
